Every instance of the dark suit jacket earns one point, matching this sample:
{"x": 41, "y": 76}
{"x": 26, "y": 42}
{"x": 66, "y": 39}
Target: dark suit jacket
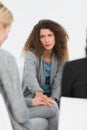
{"x": 74, "y": 80}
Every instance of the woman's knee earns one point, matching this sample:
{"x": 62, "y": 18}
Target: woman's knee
{"x": 54, "y": 108}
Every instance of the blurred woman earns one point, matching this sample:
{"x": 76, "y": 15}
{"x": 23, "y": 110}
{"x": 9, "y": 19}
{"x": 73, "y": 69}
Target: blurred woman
{"x": 9, "y": 78}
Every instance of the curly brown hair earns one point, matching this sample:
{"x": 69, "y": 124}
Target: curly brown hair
{"x": 61, "y": 37}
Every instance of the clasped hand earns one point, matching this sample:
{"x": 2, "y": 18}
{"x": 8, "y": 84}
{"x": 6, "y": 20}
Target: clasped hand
{"x": 42, "y": 99}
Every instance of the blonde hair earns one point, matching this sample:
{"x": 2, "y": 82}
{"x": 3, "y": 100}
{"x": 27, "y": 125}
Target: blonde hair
{"x": 6, "y": 17}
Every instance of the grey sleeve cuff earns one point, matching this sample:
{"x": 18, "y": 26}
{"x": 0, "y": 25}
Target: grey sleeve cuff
{"x": 28, "y": 101}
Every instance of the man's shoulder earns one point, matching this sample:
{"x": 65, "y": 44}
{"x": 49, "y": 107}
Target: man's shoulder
{"x": 77, "y": 61}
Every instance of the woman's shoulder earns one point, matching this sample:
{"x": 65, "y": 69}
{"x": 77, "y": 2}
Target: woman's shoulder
{"x": 30, "y": 55}
{"x": 5, "y": 54}
{"x": 6, "y": 57}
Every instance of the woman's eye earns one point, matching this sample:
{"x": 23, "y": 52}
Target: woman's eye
{"x": 41, "y": 36}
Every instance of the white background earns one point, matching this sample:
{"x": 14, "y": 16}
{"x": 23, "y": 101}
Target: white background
{"x": 72, "y": 14}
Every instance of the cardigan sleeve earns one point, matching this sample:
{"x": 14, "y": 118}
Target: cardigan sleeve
{"x": 30, "y": 73}
{"x": 28, "y": 101}
{"x": 9, "y": 78}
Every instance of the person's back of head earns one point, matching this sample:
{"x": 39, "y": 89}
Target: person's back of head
{"x": 6, "y": 17}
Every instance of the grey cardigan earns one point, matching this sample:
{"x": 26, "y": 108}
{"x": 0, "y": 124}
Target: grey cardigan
{"x": 11, "y": 90}
{"x": 33, "y": 75}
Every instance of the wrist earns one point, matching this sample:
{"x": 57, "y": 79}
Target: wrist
{"x": 38, "y": 93}
{"x": 54, "y": 99}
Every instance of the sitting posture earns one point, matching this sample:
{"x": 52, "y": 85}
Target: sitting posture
{"x": 9, "y": 78}
{"x": 45, "y": 54}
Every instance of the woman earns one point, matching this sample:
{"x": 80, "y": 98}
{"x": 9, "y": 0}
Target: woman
{"x": 45, "y": 54}
{"x": 9, "y": 79}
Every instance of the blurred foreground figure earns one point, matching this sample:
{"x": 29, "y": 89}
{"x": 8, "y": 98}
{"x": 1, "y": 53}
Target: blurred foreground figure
{"x": 9, "y": 78}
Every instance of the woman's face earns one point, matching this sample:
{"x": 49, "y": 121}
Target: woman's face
{"x": 3, "y": 33}
{"x": 47, "y": 39}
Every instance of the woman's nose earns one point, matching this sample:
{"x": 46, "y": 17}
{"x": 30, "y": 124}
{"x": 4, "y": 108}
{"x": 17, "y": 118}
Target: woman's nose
{"x": 46, "y": 39}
